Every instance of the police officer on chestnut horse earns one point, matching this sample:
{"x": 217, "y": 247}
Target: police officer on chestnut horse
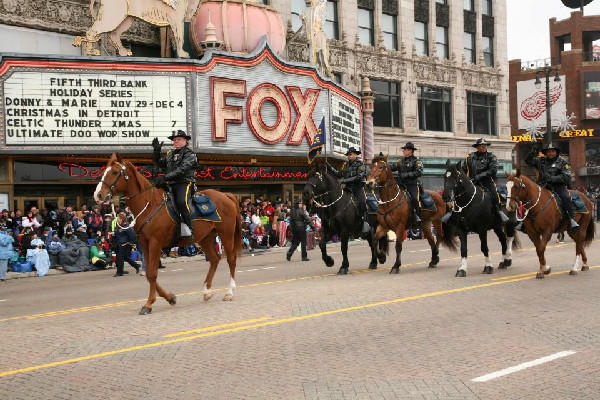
{"x": 554, "y": 173}
{"x": 353, "y": 174}
{"x": 180, "y": 173}
{"x": 410, "y": 168}
{"x": 481, "y": 167}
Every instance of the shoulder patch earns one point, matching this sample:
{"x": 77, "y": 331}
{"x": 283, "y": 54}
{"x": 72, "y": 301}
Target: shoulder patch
{"x": 419, "y": 163}
{"x": 567, "y": 166}
{"x": 362, "y": 168}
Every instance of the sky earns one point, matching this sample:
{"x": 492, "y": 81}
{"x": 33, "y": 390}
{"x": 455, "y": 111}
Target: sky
{"x": 528, "y": 32}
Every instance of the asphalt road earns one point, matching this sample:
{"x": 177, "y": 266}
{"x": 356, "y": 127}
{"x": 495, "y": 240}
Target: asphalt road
{"x": 296, "y": 330}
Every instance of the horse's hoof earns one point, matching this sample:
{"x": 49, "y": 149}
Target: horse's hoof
{"x": 395, "y": 270}
{"x": 571, "y": 272}
{"x": 585, "y": 268}
{"x": 461, "y": 273}
{"x": 381, "y": 259}
{"x": 547, "y": 272}
{"x": 373, "y": 266}
{"x": 173, "y": 299}
{"x": 539, "y": 275}
{"x": 488, "y": 269}
{"x": 432, "y": 264}
{"x": 228, "y": 297}
{"x": 508, "y": 262}
{"x": 503, "y": 264}
{"x": 145, "y": 311}
{"x": 207, "y": 296}
{"x": 343, "y": 271}
{"x": 329, "y": 262}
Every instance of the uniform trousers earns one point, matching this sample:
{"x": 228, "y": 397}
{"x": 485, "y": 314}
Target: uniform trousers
{"x": 124, "y": 254}
{"x": 298, "y": 237}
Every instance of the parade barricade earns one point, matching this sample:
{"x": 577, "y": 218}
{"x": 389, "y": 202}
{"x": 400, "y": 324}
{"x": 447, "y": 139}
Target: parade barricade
{"x": 282, "y": 230}
{"x": 311, "y": 241}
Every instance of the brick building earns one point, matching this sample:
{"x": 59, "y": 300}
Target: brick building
{"x": 575, "y": 51}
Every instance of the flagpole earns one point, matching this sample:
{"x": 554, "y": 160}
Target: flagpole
{"x": 326, "y": 141}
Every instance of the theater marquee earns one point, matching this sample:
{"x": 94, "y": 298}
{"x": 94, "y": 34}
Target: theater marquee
{"x": 230, "y": 103}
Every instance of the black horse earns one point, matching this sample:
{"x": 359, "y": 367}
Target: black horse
{"x": 473, "y": 211}
{"x": 339, "y": 215}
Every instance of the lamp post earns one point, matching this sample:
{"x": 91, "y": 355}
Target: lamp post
{"x": 547, "y": 71}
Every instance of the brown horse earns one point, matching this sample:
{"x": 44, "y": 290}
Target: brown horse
{"x": 541, "y": 218}
{"x": 155, "y": 227}
{"x": 394, "y": 210}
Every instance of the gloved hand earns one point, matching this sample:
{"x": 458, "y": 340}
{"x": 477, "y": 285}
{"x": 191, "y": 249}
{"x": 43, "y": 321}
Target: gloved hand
{"x": 157, "y": 149}
{"x": 160, "y": 181}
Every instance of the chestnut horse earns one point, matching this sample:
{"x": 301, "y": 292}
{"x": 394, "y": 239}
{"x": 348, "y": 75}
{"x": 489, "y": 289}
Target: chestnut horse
{"x": 541, "y": 218}
{"x": 155, "y": 227}
{"x": 394, "y": 210}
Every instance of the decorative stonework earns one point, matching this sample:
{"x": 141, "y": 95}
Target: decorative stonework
{"x": 434, "y": 73}
{"x": 411, "y": 122}
{"x": 370, "y": 4}
{"x": 422, "y": 11}
{"x": 461, "y": 126}
{"x": 298, "y": 51}
{"x": 487, "y": 26}
{"x": 66, "y": 16}
{"x": 470, "y": 21}
{"x": 442, "y": 15}
{"x": 479, "y": 80}
{"x": 390, "y": 7}
{"x": 380, "y": 64}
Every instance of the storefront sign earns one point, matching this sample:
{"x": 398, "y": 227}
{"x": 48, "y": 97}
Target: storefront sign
{"x": 86, "y": 109}
{"x": 345, "y": 125}
{"x": 29, "y": 171}
{"x": 591, "y": 101}
{"x": 562, "y": 134}
{"x": 532, "y": 102}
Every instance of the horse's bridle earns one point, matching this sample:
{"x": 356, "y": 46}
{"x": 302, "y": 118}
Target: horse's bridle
{"x": 122, "y": 173}
{"x": 320, "y": 195}
{"x": 453, "y": 197}
{"x": 386, "y": 184}
{"x": 516, "y": 199}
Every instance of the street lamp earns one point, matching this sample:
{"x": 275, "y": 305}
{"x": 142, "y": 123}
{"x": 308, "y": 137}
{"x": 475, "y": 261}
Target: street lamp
{"x": 547, "y": 71}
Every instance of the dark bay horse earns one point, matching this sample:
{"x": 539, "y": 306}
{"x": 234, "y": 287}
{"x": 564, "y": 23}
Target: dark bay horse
{"x": 473, "y": 211}
{"x": 541, "y": 217}
{"x": 339, "y": 216}
{"x": 155, "y": 227}
{"x": 393, "y": 211}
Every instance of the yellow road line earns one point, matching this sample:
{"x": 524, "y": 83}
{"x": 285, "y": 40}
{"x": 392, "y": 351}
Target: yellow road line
{"x": 535, "y": 273}
{"x": 123, "y": 303}
{"x": 259, "y": 325}
{"x": 216, "y": 327}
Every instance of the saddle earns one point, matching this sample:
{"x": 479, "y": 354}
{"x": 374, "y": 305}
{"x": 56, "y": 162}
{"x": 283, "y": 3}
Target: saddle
{"x": 427, "y": 202}
{"x": 576, "y": 200}
{"x": 201, "y": 205}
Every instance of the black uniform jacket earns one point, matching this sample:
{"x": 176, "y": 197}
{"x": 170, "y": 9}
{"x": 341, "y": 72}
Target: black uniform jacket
{"x": 553, "y": 171}
{"x": 409, "y": 169}
{"x": 180, "y": 165}
{"x": 479, "y": 166}
{"x": 299, "y": 219}
{"x": 353, "y": 173}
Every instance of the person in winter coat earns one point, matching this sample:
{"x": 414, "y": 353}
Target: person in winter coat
{"x": 54, "y": 242}
{"x": 98, "y": 258}
{"x": 52, "y": 221}
{"x": 30, "y": 221}
{"x": 94, "y": 220}
{"x": 299, "y": 220}
{"x": 6, "y": 251}
{"x": 124, "y": 238}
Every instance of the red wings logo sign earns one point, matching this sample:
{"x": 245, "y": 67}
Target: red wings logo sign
{"x": 534, "y": 106}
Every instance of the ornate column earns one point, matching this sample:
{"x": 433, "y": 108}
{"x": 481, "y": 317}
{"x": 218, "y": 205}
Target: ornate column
{"x": 368, "y": 102}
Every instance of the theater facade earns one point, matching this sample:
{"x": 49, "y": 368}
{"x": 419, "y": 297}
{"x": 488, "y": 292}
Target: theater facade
{"x": 252, "y": 118}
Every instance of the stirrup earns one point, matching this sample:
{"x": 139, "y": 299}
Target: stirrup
{"x": 573, "y": 225}
{"x": 503, "y": 217}
{"x": 186, "y": 231}
{"x": 446, "y": 217}
{"x": 520, "y": 227}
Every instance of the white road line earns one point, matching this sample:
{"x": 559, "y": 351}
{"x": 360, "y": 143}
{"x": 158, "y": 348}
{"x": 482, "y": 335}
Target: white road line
{"x": 180, "y": 269}
{"x": 251, "y": 270}
{"x": 269, "y": 267}
{"x": 523, "y": 366}
{"x": 3, "y": 300}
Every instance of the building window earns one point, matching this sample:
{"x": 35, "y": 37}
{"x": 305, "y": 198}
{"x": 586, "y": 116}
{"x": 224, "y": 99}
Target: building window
{"x": 481, "y": 113}
{"x": 488, "y": 51}
{"x": 444, "y": 2}
{"x": 421, "y": 38}
{"x": 470, "y": 47}
{"x": 337, "y": 77}
{"x": 265, "y": 2}
{"x": 390, "y": 32}
{"x": 365, "y": 27}
{"x": 298, "y": 7}
{"x": 434, "y": 109}
{"x": 441, "y": 40}
{"x": 387, "y": 104}
{"x": 331, "y": 23}
{"x": 469, "y": 5}
{"x": 486, "y": 8}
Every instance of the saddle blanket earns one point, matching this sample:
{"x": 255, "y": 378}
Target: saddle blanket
{"x": 202, "y": 208}
{"x": 427, "y": 202}
{"x": 503, "y": 193}
{"x": 578, "y": 204}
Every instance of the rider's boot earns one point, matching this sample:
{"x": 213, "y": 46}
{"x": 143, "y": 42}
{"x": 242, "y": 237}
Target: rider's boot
{"x": 418, "y": 214}
{"x": 366, "y": 227}
{"x": 573, "y": 226}
{"x": 501, "y": 214}
{"x": 186, "y": 218}
{"x": 446, "y": 217}
{"x": 520, "y": 227}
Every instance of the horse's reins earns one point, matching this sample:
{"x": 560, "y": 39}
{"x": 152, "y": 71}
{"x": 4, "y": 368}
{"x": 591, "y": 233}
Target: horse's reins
{"x": 516, "y": 199}
{"x": 454, "y": 203}
{"x": 317, "y": 204}
{"x": 379, "y": 202}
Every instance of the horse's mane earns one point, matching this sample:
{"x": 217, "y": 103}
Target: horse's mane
{"x": 141, "y": 179}
{"x": 378, "y": 158}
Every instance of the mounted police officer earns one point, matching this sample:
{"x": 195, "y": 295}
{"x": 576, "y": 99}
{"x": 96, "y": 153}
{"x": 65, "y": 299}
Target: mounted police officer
{"x": 554, "y": 173}
{"x": 481, "y": 167}
{"x": 354, "y": 174}
{"x": 410, "y": 168}
{"x": 299, "y": 219}
{"x": 180, "y": 173}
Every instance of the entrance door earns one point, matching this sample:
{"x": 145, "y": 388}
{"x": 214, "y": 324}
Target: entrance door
{"x": 50, "y": 204}
{"x": 30, "y": 202}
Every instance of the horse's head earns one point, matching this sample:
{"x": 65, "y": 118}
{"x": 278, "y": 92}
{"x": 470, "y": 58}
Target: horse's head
{"x": 379, "y": 171}
{"x": 453, "y": 179}
{"x": 113, "y": 181}
{"x": 316, "y": 184}
{"x": 515, "y": 187}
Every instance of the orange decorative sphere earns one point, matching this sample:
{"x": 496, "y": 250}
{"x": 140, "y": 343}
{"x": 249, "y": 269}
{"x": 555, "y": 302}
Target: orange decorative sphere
{"x": 239, "y": 24}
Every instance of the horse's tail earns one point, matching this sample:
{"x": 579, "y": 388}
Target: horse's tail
{"x": 449, "y": 237}
{"x": 590, "y": 232}
{"x": 516, "y": 244}
{"x": 237, "y": 236}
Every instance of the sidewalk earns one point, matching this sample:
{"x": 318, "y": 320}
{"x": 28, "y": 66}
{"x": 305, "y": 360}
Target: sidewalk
{"x": 170, "y": 260}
